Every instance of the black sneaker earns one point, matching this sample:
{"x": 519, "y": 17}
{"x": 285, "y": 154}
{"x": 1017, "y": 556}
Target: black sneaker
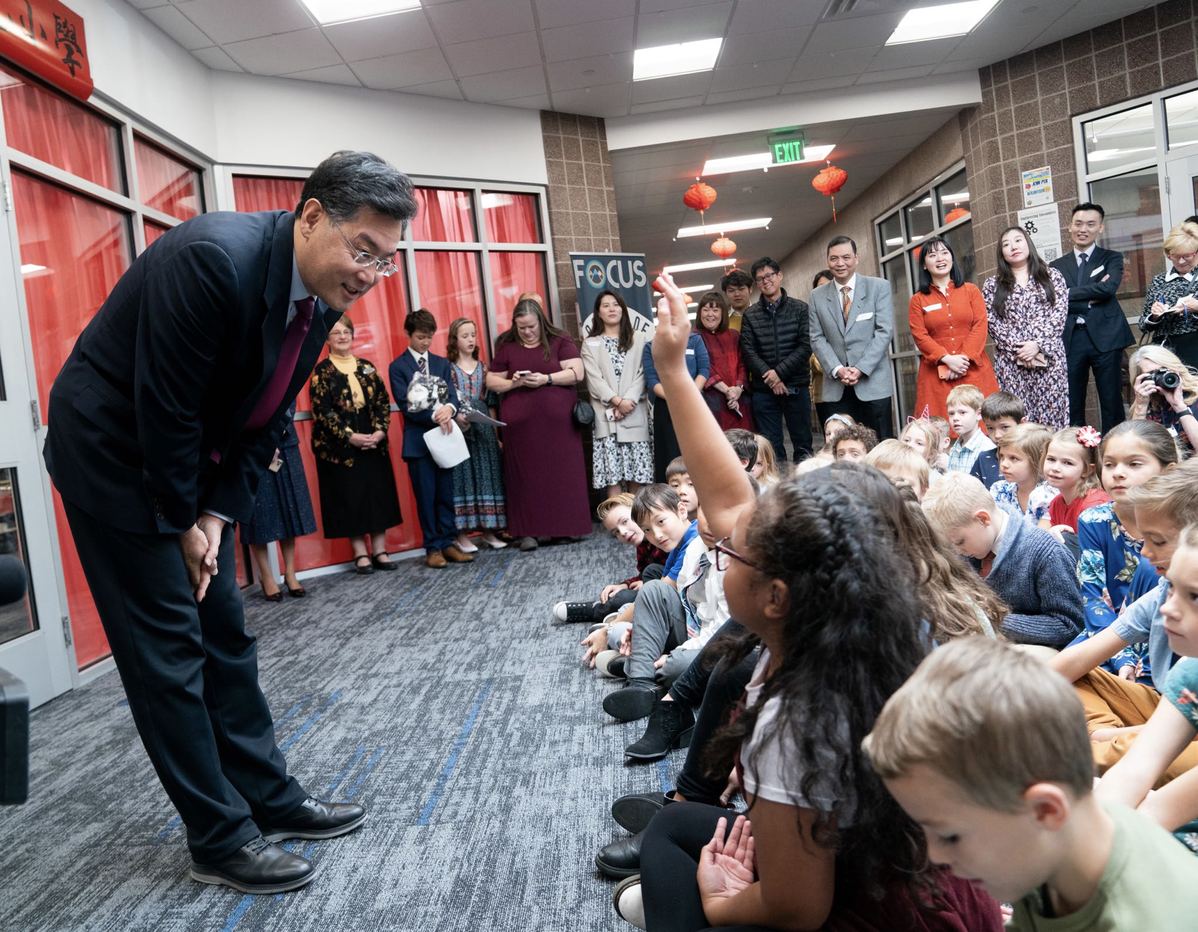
{"x": 568, "y": 613}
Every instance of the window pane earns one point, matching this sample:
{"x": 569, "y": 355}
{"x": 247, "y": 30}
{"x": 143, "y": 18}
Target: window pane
{"x": 960, "y": 239}
{"x": 1133, "y": 227}
{"x": 921, "y": 218}
{"x": 18, "y": 618}
{"x": 165, "y": 183}
{"x": 52, "y": 128}
{"x": 895, "y": 272}
{"x": 450, "y": 286}
{"x": 512, "y": 274}
{"x": 251, "y": 193}
{"x": 891, "y": 232}
{"x": 1119, "y": 139}
{"x": 153, "y": 231}
{"x": 906, "y": 368}
{"x": 1181, "y": 119}
{"x": 511, "y": 218}
{"x": 953, "y": 196}
{"x": 444, "y": 217}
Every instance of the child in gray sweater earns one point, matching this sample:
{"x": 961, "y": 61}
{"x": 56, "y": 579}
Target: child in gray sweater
{"x": 1028, "y": 568}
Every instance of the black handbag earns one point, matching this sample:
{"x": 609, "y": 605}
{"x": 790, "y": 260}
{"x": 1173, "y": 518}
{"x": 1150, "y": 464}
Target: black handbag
{"x": 584, "y": 414}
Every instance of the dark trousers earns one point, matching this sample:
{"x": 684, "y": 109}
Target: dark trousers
{"x": 600, "y": 610}
{"x": 665, "y": 443}
{"x": 433, "y": 488}
{"x": 769, "y": 410}
{"x": 1080, "y": 357}
{"x": 873, "y": 414}
{"x": 191, "y": 675}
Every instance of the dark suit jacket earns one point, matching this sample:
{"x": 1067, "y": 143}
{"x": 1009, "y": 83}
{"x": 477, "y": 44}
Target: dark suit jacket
{"x": 416, "y": 423}
{"x": 147, "y": 417}
{"x": 1094, "y": 299}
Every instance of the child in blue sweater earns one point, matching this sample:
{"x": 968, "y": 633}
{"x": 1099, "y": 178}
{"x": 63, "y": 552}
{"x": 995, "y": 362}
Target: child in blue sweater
{"x": 1027, "y": 567}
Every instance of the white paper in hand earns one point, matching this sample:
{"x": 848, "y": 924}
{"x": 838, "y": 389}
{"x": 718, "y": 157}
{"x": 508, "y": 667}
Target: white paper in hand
{"x": 447, "y": 449}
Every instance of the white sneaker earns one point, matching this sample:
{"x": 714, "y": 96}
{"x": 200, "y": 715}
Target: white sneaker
{"x": 493, "y": 542}
{"x": 626, "y": 898}
{"x": 604, "y": 660}
{"x": 464, "y": 544}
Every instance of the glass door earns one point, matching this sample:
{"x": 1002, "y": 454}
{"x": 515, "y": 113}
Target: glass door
{"x": 1183, "y": 188}
{"x": 34, "y": 641}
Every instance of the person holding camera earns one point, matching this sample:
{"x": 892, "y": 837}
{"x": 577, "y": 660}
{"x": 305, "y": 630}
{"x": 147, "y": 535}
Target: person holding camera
{"x": 1166, "y": 391}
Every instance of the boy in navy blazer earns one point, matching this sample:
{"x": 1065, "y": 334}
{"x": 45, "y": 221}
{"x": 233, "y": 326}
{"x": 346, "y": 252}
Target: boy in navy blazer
{"x": 432, "y": 485}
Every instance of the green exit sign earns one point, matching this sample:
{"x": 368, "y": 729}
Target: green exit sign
{"x": 786, "y": 148}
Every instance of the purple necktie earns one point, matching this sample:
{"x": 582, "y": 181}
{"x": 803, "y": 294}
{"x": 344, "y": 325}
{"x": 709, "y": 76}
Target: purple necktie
{"x": 272, "y": 395}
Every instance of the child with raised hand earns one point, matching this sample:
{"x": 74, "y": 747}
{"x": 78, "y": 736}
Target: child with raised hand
{"x": 991, "y": 758}
{"x": 1029, "y": 569}
{"x": 826, "y": 845}
{"x": 1071, "y": 467}
{"x": 1022, "y": 489}
{"x": 1174, "y": 725}
{"x": 1131, "y": 453}
{"x": 1118, "y": 705}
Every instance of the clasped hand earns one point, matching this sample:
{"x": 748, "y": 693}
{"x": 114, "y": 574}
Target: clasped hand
{"x": 366, "y": 441}
{"x": 200, "y": 545}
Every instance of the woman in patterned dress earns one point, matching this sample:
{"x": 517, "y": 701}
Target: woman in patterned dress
{"x": 1171, "y": 304}
{"x": 1026, "y": 303}
{"x": 612, "y": 359}
{"x": 478, "y": 482}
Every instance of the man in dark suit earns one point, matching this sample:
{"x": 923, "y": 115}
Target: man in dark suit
{"x": 162, "y": 422}
{"x": 1095, "y": 329}
{"x": 432, "y": 485}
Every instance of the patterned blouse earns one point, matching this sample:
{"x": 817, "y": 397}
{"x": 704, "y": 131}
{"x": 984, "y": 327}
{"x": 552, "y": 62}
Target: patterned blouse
{"x": 1027, "y": 315}
{"x": 1106, "y": 564}
{"x": 1006, "y": 494}
{"x": 334, "y": 416}
{"x": 1167, "y": 291}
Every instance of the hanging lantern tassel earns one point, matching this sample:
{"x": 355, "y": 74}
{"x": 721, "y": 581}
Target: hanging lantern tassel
{"x": 830, "y": 180}
{"x": 723, "y": 247}
{"x": 699, "y": 196}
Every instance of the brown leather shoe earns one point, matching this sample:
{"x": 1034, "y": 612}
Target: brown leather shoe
{"x": 435, "y": 560}
{"x": 455, "y": 555}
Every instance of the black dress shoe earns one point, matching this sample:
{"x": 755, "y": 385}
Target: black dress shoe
{"x": 671, "y": 725}
{"x": 316, "y": 819}
{"x": 257, "y": 867}
{"x": 634, "y": 701}
{"x": 634, "y": 811}
{"x": 379, "y": 563}
{"x": 621, "y": 858}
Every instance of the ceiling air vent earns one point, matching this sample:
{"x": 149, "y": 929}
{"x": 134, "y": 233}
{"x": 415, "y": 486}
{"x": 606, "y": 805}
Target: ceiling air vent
{"x": 839, "y": 8}
{"x": 843, "y": 9}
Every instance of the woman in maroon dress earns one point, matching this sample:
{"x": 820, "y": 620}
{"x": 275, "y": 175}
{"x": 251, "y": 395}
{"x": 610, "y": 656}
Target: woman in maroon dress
{"x": 534, "y": 370}
{"x": 725, "y": 388}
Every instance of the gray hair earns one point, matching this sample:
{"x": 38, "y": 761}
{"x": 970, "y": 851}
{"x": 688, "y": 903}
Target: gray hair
{"x": 347, "y": 181}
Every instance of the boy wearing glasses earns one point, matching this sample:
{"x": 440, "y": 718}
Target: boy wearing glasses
{"x": 775, "y": 340}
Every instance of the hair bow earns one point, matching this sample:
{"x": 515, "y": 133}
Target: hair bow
{"x": 1088, "y": 437}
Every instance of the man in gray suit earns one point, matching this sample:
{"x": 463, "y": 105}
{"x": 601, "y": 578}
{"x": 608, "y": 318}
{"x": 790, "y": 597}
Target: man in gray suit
{"x": 852, "y": 319}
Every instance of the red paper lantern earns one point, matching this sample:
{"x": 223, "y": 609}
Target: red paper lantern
{"x": 699, "y": 196}
{"x": 830, "y": 180}
{"x": 956, "y": 214}
{"x": 723, "y": 247}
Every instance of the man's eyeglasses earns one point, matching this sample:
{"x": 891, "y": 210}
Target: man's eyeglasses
{"x": 723, "y": 552}
{"x": 385, "y": 267}
{"x": 765, "y": 277}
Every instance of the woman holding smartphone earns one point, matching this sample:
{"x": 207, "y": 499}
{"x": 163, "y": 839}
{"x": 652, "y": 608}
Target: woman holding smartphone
{"x": 535, "y": 370}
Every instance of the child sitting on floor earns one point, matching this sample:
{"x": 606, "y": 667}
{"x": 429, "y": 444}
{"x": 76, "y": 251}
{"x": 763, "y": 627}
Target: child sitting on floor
{"x": 1029, "y": 569}
{"x": 965, "y": 416}
{"x": 765, "y": 471}
{"x": 1022, "y": 489}
{"x": 901, "y": 464}
{"x": 991, "y": 758}
{"x": 1001, "y": 413}
{"x": 678, "y": 479}
{"x": 922, "y": 436}
{"x": 853, "y": 443}
{"x": 1071, "y": 468}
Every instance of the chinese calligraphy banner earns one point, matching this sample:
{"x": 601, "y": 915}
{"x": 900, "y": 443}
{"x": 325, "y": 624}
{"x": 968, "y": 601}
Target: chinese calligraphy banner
{"x": 46, "y": 38}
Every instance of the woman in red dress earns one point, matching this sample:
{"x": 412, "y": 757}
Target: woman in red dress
{"x": 725, "y": 389}
{"x": 948, "y": 324}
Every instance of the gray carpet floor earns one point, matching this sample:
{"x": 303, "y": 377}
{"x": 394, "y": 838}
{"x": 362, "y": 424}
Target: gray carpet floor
{"x": 443, "y": 701}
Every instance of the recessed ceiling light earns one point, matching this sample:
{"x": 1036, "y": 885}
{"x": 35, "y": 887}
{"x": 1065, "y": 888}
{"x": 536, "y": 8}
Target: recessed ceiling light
{"x": 328, "y": 12}
{"x": 690, "y": 288}
{"x": 684, "y": 58}
{"x": 695, "y": 266}
{"x": 761, "y": 160}
{"x": 940, "y": 22}
{"x": 730, "y": 227}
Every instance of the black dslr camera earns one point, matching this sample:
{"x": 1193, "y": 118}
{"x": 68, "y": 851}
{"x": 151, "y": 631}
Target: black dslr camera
{"x": 14, "y": 702}
{"x": 1166, "y": 379}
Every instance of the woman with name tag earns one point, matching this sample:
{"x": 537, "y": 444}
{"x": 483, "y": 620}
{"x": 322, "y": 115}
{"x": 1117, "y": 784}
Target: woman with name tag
{"x": 948, "y": 325}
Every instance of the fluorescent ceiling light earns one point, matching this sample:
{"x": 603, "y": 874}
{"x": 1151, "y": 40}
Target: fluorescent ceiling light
{"x": 695, "y": 266}
{"x": 690, "y": 288}
{"x": 894, "y": 241}
{"x": 692, "y": 304}
{"x": 730, "y": 227}
{"x": 664, "y": 60}
{"x": 328, "y": 12}
{"x": 761, "y": 160}
{"x": 940, "y": 22}
{"x": 1105, "y": 155}
{"x": 30, "y": 268}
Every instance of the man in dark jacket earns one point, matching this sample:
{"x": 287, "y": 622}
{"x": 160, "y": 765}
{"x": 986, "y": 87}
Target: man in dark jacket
{"x": 775, "y": 340}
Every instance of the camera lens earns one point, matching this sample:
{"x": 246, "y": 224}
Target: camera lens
{"x": 1166, "y": 379}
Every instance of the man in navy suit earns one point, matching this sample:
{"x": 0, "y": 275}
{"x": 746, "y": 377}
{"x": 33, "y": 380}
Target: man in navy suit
{"x": 1095, "y": 329}
{"x": 432, "y": 485}
{"x": 162, "y": 422}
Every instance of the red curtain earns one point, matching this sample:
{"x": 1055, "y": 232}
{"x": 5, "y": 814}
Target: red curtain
{"x": 60, "y": 131}
{"x": 73, "y": 250}
{"x": 251, "y": 194}
{"x": 512, "y": 274}
{"x": 444, "y": 216}
{"x": 451, "y": 287}
{"x": 153, "y": 231}
{"x": 511, "y": 218}
{"x": 166, "y": 183}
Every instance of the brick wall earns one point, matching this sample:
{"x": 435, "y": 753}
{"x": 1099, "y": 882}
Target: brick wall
{"x": 582, "y": 197}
